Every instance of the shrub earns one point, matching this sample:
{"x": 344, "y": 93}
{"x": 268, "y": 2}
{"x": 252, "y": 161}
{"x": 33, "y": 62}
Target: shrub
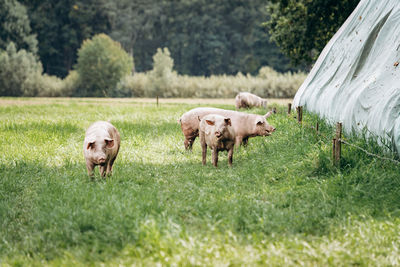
{"x": 101, "y": 65}
{"x": 20, "y": 72}
{"x": 70, "y": 84}
{"x": 162, "y": 74}
{"x": 222, "y": 86}
{"x": 163, "y": 81}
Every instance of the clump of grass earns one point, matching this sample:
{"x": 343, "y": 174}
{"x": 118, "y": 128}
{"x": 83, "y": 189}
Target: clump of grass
{"x": 282, "y": 203}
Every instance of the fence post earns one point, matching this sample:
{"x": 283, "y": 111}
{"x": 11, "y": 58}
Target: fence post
{"x": 289, "y": 109}
{"x": 334, "y": 151}
{"x": 337, "y": 144}
{"x": 299, "y": 114}
{"x": 157, "y": 101}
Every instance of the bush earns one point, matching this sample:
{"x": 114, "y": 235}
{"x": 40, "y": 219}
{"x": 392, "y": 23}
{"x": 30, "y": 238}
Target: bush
{"x": 164, "y": 82}
{"x": 101, "y": 65}
{"x": 162, "y": 74}
{"x": 273, "y": 85}
{"x": 70, "y": 84}
{"x": 20, "y": 72}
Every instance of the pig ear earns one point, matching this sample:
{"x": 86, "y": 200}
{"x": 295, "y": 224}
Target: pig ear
{"x": 228, "y": 121}
{"x": 210, "y": 122}
{"x": 90, "y": 145}
{"x": 268, "y": 114}
{"x": 109, "y": 142}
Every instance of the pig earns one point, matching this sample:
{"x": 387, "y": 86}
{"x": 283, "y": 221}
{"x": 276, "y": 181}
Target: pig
{"x": 244, "y": 125}
{"x": 249, "y": 100}
{"x": 100, "y": 147}
{"x": 216, "y": 132}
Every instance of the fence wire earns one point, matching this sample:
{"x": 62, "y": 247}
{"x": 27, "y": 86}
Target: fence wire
{"x": 352, "y": 145}
{"x": 369, "y": 153}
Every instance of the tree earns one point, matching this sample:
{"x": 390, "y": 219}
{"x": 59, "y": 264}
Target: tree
{"x": 61, "y": 26}
{"x": 19, "y": 70}
{"x": 302, "y": 28}
{"x": 204, "y": 37}
{"x": 15, "y": 27}
{"x": 101, "y": 64}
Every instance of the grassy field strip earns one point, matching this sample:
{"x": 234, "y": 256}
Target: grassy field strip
{"x": 281, "y": 204}
{"x": 112, "y": 101}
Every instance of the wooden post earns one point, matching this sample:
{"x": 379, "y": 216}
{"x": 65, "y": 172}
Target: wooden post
{"x": 289, "y": 109}
{"x": 157, "y": 101}
{"x": 338, "y": 147}
{"x": 299, "y": 114}
{"x": 334, "y": 151}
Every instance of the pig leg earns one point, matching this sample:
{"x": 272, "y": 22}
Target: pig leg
{"x": 203, "y": 148}
{"x": 90, "y": 168}
{"x": 230, "y": 157}
{"x": 109, "y": 166}
{"x": 189, "y": 142}
{"x": 215, "y": 157}
{"x": 186, "y": 143}
{"x": 204, "y": 153}
{"x": 245, "y": 141}
{"x": 238, "y": 141}
{"x": 102, "y": 170}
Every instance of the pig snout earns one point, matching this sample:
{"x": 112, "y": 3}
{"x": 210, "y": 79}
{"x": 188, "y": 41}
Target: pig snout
{"x": 269, "y": 130}
{"x": 101, "y": 160}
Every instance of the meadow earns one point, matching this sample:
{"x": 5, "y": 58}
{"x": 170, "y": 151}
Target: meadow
{"x": 282, "y": 203}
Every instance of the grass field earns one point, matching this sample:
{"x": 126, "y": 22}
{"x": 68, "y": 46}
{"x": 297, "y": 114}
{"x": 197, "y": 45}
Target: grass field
{"x": 281, "y": 204}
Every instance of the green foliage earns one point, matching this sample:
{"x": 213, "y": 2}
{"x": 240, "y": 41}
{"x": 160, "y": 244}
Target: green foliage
{"x": 62, "y": 26}
{"x": 14, "y": 27}
{"x": 101, "y": 65}
{"x": 204, "y": 37}
{"x": 269, "y": 83}
{"x": 281, "y": 204}
{"x": 302, "y": 28}
{"x": 19, "y": 72}
{"x": 162, "y": 74}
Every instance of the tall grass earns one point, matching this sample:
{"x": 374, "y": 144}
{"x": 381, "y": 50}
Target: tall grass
{"x": 268, "y": 83}
{"x": 282, "y": 203}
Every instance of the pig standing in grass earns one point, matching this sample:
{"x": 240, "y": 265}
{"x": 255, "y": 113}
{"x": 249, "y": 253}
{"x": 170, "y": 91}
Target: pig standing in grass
{"x": 216, "y": 132}
{"x": 101, "y": 147}
{"x": 244, "y": 125}
{"x": 249, "y": 100}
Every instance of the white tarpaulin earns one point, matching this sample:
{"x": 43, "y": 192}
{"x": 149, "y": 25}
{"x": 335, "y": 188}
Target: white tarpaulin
{"x": 356, "y": 78}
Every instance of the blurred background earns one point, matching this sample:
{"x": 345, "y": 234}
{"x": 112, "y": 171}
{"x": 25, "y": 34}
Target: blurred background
{"x": 175, "y": 48}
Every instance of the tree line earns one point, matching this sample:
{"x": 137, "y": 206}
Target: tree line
{"x": 204, "y": 37}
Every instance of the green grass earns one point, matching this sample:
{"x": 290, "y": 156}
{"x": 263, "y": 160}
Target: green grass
{"x": 281, "y": 204}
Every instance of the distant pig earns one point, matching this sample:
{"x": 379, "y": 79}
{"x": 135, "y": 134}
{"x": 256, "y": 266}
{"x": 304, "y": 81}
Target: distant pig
{"x": 244, "y": 125}
{"x": 216, "y": 132}
{"x": 249, "y": 100}
{"x": 101, "y": 147}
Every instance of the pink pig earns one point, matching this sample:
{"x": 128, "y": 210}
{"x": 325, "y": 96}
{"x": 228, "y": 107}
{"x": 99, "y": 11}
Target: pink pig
{"x": 217, "y": 133}
{"x": 101, "y": 147}
{"x": 249, "y": 100}
{"x": 244, "y": 125}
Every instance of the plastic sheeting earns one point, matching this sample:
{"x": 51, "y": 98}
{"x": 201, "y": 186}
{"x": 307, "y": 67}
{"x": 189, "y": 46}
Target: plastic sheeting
{"x": 356, "y": 78}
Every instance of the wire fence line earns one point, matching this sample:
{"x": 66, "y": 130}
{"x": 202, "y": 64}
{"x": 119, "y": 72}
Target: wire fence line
{"x": 369, "y": 153}
{"x": 350, "y": 144}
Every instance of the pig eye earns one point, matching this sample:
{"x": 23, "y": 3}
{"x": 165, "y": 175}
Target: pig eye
{"x": 260, "y": 123}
